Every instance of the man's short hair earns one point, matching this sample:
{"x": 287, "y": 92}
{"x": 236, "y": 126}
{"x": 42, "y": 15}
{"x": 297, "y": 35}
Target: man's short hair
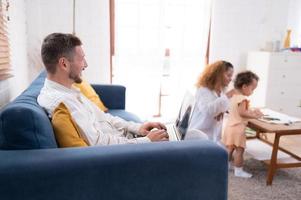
{"x": 57, "y": 45}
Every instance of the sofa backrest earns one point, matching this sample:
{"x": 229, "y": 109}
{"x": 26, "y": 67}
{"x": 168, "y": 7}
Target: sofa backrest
{"x": 24, "y": 124}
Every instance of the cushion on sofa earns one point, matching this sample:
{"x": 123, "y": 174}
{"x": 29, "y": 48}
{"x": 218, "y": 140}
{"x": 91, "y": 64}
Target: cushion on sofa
{"x": 31, "y": 132}
{"x": 113, "y": 96}
{"x": 65, "y": 129}
{"x": 90, "y": 93}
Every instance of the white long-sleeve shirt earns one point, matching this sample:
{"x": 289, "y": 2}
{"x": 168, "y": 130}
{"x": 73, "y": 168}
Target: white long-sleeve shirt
{"x": 95, "y": 126}
{"x": 209, "y": 105}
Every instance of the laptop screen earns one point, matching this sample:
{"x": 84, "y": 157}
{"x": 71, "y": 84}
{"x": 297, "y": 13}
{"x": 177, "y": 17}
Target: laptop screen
{"x": 185, "y": 112}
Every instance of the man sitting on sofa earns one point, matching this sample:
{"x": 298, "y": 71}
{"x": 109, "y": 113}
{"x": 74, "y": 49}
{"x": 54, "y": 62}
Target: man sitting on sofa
{"x": 76, "y": 120}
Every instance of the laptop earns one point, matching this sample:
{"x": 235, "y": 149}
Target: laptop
{"x": 177, "y": 131}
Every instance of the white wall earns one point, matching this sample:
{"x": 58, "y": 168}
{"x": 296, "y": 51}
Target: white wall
{"x": 91, "y": 25}
{"x": 44, "y": 17}
{"x": 17, "y": 39}
{"x": 242, "y": 26}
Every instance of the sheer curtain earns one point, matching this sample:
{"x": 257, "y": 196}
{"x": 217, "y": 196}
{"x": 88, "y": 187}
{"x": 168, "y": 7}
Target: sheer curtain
{"x": 143, "y": 32}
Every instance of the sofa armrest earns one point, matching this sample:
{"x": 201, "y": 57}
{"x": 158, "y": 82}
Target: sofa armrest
{"x": 113, "y": 96}
{"x": 165, "y": 170}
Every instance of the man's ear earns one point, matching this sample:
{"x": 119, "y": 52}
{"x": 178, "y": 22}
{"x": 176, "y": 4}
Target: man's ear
{"x": 63, "y": 63}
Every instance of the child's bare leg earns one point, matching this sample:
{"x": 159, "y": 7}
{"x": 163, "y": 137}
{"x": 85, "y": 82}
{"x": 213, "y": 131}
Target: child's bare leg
{"x": 238, "y": 157}
{"x": 238, "y": 162}
{"x": 230, "y": 150}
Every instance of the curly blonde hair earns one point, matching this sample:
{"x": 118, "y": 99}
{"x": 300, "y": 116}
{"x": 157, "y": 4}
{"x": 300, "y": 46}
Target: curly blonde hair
{"x": 212, "y": 75}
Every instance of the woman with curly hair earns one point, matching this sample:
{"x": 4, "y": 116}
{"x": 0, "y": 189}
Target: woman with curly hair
{"x": 212, "y": 100}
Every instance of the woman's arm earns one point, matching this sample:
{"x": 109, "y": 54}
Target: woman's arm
{"x": 216, "y": 106}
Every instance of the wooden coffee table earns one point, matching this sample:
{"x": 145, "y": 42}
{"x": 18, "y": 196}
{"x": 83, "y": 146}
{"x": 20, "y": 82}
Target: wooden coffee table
{"x": 279, "y": 130}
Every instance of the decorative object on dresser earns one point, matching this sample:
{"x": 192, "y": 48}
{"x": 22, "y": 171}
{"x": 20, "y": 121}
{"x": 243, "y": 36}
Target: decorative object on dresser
{"x": 279, "y": 87}
{"x": 287, "y": 39}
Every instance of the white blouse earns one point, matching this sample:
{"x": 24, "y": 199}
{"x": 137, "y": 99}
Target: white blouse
{"x": 209, "y": 105}
{"x": 95, "y": 126}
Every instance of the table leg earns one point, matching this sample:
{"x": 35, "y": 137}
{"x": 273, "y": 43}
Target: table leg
{"x": 273, "y": 163}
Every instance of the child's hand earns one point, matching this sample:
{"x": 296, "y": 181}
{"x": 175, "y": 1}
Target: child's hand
{"x": 257, "y": 113}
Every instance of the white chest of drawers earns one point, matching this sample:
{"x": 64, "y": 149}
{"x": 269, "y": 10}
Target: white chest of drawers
{"x": 279, "y": 87}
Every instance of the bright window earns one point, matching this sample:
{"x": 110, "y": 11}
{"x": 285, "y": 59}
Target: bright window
{"x": 143, "y": 32}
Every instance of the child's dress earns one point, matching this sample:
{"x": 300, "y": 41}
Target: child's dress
{"x": 234, "y": 132}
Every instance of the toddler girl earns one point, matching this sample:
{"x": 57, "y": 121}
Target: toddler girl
{"x": 234, "y": 136}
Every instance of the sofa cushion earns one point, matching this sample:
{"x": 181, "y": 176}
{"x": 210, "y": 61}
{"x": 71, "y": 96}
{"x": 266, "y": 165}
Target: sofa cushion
{"x": 90, "y": 93}
{"x": 27, "y": 127}
{"x": 65, "y": 129}
{"x": 113, "y": 96}
{"x": 24, "y": 124}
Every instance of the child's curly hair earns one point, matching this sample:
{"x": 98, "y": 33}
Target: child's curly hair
{"x": 244, "y": 78}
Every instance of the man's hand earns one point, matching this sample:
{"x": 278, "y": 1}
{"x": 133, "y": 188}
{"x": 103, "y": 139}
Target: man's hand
{"x": 158, "y": 135}
{"x": 148, "y": 126}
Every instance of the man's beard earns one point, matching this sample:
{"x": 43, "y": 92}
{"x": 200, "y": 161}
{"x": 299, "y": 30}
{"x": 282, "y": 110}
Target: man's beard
{"x": 75, "y": 77}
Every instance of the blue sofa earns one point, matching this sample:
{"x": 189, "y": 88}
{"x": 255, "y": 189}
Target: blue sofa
{"x": 33, "y": 168}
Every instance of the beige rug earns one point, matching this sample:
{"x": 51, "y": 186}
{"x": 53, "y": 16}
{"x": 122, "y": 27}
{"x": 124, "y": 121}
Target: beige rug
{"x": 286, "y": 183}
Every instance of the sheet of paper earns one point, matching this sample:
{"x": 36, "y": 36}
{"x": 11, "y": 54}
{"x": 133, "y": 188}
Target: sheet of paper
{"x": 274, "y": 117}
